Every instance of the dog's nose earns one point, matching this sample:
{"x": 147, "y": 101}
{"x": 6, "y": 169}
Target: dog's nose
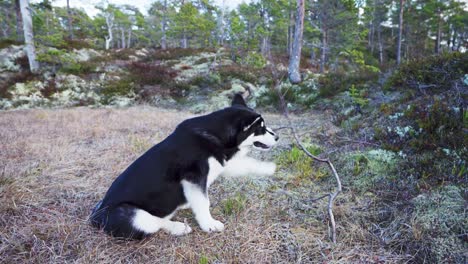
{"x": 276, "y": 137}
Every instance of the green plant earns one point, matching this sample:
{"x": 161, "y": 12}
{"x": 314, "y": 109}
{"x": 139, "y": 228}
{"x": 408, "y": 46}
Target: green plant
{"x": 300, "y": 163}
{"x": 358, "y": 96}
{"x": 234, "y": 205}
{"x": 255, "y": 60}
{"x": 122, "y": 87}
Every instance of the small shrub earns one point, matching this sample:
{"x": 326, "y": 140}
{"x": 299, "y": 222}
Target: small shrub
{"x": 334, "y": 83}
{"x": 237, "y": 72}
{"x": 358, "y": 96}
{"x": 297, "y": 160}
{"x": 4, "y": 43}
{"x": 234, "y": 205}
{"x": 79, "y": 68}
{"x": 204, "y": 81}
{"x": 150, "y": 74}
{"x": 254, "y": 60}
{"x": 20, "y": 77}
{"x": 434, "y": 72}
{"x": 122, "y": 54}
{"x": 122, "y": 87}
{"x": 173, "y": 54}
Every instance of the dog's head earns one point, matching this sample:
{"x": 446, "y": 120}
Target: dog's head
{"x": 251, "y": 128}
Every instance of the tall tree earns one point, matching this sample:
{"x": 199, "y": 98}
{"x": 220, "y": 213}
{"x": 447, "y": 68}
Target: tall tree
{"x": 70, "y": 21}
{"x": 400, "y": 31}
{"x": 295, "y": 58}
{"x": 19, "y": 21}
{"x": 29, "y": 35}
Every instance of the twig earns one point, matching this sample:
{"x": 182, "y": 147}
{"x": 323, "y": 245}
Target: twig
{"x": 332, "y": 196}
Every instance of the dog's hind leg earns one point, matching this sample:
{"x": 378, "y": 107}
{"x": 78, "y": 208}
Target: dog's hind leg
{"x": 149, "y": 224}
{"x": 128, "y": 221}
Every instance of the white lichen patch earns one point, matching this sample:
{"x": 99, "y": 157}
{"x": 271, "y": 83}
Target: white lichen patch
{"x": 8, "y": 57}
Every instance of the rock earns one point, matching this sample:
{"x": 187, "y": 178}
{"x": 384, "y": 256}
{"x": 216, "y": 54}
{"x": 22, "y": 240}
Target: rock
{"x": 142, "y": 52}
{"x": 85, "y": 54}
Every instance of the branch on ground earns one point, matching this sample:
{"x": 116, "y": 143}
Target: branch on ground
{"x": 331, "y": 196}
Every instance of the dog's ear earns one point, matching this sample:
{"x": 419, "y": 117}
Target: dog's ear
{"x": 238, "y": 100}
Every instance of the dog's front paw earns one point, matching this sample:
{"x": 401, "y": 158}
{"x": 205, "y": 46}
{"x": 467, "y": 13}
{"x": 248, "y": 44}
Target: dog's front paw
{"x": 179, "y": 229}
{"x": 212, "y": 226}
{"x": 269, "y": 168}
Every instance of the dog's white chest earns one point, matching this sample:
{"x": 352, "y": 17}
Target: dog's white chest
{"x": 214, "y": 170}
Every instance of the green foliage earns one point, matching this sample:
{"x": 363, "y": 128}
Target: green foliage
{"x": 121, "y": 87}
{"x": 172, "y": 54}
{"x": 234, "y": 205}
{"x": 5, "y": 43}
{"x": 358, "y": 96}
{"x": 333, "y": 83}
{"x": 203, "y": 260}
{"x": 255, "y": 60}
{"x": 235, "y": 71}
{"x": 301, "y": 95}
{"x": 296, "y": 160}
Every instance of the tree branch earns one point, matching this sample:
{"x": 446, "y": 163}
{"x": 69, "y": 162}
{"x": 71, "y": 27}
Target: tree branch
{"x": 277, "y": 79}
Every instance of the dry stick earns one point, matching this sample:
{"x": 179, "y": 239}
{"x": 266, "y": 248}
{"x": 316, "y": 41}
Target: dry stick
{"x": 338, "y": 189}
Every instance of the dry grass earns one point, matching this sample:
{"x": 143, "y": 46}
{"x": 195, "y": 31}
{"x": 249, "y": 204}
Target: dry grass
{"x": 56, "y": 164}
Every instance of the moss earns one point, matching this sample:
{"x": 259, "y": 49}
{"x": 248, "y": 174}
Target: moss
{"x": 371, "y": 168}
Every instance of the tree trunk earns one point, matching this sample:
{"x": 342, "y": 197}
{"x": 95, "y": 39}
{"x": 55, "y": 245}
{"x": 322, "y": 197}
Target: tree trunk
{"x": 323, "y": 55}
{"x": 129, "y": 37}
{"x": 70, "y": 21}
{"x": 290, "y": 32}
{"x": 110, "y": 24}
{"x": 122, "y": 38}
{"x": 163, "y": 27}
{"x": 183, "y": 41}
{"x": 400, "y": 31}
{"x": 19, "y": 22}
{"x": 379, "y": 39}
{"x": 439, "y": 35}
{"x": 454, "y": 37}
{"x": 295, "y": 58}
{"x": 265, "y": 46}
{"x": 29, "y": 35}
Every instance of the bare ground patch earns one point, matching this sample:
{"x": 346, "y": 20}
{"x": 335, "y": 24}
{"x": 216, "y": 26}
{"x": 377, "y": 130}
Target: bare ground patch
{"x": 56, "y": 164}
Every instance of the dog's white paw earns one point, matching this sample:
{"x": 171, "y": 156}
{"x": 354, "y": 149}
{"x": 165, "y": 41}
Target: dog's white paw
{"x": 212, "y": 226}
{"x": 269, "y": 168}
{"x": 179, "y": 229}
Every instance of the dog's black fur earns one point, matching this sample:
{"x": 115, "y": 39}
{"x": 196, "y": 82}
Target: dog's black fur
{"x": 153, "y": 181}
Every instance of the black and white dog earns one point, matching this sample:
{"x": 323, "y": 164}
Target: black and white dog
{"x": 176, "y": 173}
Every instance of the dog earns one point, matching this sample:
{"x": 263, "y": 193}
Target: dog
{"x": 176, "y": 173}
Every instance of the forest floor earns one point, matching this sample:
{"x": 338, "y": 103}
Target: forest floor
{"x": 56, "y": 164}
